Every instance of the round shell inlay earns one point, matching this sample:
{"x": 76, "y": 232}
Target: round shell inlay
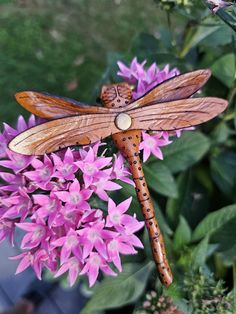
{"x": 123, "y": 121}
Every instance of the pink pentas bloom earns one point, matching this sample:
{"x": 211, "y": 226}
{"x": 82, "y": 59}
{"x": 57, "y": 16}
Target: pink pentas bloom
{"x": 75, "y": 196}
{"x": 26, "y": 261}
{"x": 44, "y": 170}
{"x": 118, "y": 219}
{"x": 13, "y": 182}
{"x": 117, "y": 246}
{"x": 49, "y": 207}
{"x": 144, "y": 80}
{"x": 219, "y": 4}
{"x": 16, "y": 162}
{"x": 73, "y": 266}
{"x": 49, "y": 199}
{"x": 91, "y": 166}
{"x": 103, "y": 185}
{"x": 152, "y": 144}
{"x": 3, "y": 146}
{"x": 7, "y": 228}
{"x": 92, "y": 266}
{"x": 132, "y": 73}
{"x": 66, "y": 168}
{"x": 19, "y": 204}
{"x": 120, "y": 171}
{"x": 37, "y": 233}
{"x": 93, "y": 237}
{"x": 69, "y": 244}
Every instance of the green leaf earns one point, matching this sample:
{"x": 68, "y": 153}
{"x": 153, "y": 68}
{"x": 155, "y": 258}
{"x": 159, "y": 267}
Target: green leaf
{"x": 221, "y": 133}
{"x": 126, "y": 288}
{"x": 175, "y": 206}
{"x": 213, "y": 221}
{"x": 182, "y": 234}
{"x": 185, "y": 151}
{"x": 228, "y": 18}
{"x": 229, "y": 256}
{"x": 200, "y": 253}
{"x": 200, "y": 33}
{"x": 160, "y": 179}
{"x": 226, "y": 241}
{"x": 223, "y": 170}
{"x": 224, "y": 69}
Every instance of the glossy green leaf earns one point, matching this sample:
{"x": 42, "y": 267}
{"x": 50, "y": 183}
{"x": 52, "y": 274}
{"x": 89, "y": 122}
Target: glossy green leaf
{"x": 182, "y": 234}
{"x": 201, "y": 33}
{"x": 226, "y": 241}
{"x": 160, "y": 179}
{"x": 185, "y": 151}
{"x": 200, "y": 253}
{"x": 223, "y": 171}
{"x": 224, "y": 69}
{"x": 213, "y": 221}
{"x": 126, "y": 288}
{"x": 181, "y": 204}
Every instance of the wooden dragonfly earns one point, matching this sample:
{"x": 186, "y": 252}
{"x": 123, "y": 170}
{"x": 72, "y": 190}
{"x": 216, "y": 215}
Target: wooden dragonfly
{"x": 167, "y": 107}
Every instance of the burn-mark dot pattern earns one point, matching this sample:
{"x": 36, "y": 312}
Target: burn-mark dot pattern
{"x": 128, "y": 144}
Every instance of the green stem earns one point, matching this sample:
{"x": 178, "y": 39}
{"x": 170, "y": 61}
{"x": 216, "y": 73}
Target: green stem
{"x": 173, "y": 41}
{"x": 234, "y": 281}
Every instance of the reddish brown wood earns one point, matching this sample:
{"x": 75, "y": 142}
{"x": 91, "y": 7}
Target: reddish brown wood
{"x": 163, "y": 108}
{"x": 176, "y": 88}
{"x": 53, "y": 107}
{"x": 128, "y": 143}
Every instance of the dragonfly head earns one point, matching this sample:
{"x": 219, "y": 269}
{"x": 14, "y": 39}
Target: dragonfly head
{"x": 116, "y": 95}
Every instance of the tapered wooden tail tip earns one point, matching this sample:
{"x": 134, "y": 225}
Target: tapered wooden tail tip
{"x": 166, "y": 276}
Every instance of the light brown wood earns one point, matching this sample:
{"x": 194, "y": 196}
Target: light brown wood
{"x": 177, "y": 114}
{"x": 128, "y": 143}
{"x": 165, "y": 107}
{"x": 53, "y": 107}
{"x": 176, "y": 88}
{"x": 56, "y": 134}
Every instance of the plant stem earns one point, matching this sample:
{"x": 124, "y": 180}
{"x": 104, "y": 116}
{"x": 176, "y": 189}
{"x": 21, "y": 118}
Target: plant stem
{"x": 234, "y": 281}
{"x": 173, "y": 41}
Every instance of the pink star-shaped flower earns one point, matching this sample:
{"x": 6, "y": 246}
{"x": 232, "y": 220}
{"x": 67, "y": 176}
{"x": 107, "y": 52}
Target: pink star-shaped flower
{"x": 66, "y": 169}
{"x": 91, "y": 167}
{"x": 152, "y": 144}
{"x": 69, "y": 244}
{"x": 119, "y": 220}
{"x": 73, "y": 266}
{"x": 76, "y": 196}
{"x": 44, "y": 170}
{"x": 92, "y": 266}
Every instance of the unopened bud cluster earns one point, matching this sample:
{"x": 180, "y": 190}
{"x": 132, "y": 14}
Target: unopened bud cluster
{"x": 158, "y": 305}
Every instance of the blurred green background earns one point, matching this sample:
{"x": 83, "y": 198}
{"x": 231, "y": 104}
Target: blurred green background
{"x": 61, "y": 46}
{"x": 70, "y": 48}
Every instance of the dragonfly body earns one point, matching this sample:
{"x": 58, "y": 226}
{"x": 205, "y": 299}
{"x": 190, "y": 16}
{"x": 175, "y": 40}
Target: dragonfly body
{"x": 128, "y": 144}
{"x": 167, "y": 107}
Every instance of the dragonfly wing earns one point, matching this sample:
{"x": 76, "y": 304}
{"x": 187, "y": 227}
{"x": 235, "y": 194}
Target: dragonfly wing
{"x": 177, "y": 114}
{"x": 56, "y": 134}
{"x": 178, "y": 87}
{"x": 53, "y": 107}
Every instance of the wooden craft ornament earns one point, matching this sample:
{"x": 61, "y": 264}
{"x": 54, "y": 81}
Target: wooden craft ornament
{"x": 166, "y": 107}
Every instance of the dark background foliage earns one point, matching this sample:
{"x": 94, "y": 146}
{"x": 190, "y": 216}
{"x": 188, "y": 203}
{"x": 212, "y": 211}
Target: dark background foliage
{"x": 70, "y": 48}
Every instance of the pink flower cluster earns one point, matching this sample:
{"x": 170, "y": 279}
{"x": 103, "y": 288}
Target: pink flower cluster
{"x": 144, "y": 80}
{"x": 219, "y": 4}
{"x": 49, "y": 198}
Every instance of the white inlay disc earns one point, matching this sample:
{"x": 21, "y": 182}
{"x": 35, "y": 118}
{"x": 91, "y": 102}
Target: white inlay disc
{"x": 123, "y": 121}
